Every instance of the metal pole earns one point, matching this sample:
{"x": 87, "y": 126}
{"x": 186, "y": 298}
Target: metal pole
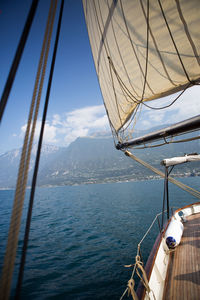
{"x": 167, "y": 192}
{"x": 163, "y": 209}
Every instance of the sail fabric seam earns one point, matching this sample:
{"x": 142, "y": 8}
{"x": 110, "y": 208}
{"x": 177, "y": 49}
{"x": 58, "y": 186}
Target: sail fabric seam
{"x": 138, "y": 102}
{"x": 134, "y": 51}
{"x": 147, "y": 50}
{"x": 120, "y": 52}
{"x": 25, "y": 159}
{"x": 145, "y": 74}
{"x": 117, "y": 44}
{"x": 103, "y": 34}
{"x": 187, "y": 31}
{"x": 135, "y": 37}
{"x": 158, "y": 52}
{"x": 173, "y": 41}
{"x": 106, "y": 46}
{"x": 117, "y": 103}
{"x": 87, "y": 19}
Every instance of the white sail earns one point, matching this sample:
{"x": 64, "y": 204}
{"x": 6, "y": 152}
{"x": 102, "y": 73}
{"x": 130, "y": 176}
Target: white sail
{"x": 137, "y": 63}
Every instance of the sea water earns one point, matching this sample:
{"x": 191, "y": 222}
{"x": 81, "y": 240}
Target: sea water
{"x": 82, "y": 236}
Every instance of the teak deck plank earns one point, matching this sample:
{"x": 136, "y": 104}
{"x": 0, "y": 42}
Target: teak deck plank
{"x": 183, "y": 274}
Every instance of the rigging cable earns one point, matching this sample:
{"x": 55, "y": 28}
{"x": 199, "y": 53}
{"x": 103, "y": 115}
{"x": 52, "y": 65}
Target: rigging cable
{"x": 31, "y": 200}
{"x": 183, "y": 186}
{"x": 13, "y": 235}
{"x": 17, "y": 58}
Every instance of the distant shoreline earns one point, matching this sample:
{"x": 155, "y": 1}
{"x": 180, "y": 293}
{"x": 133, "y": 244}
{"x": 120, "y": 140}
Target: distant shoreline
{"x": 108, "y": 180}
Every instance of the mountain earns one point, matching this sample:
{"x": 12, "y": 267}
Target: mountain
{"x": 91, "y": 160}
{"x": 9, "y": 163}
{"x": 94, "y": 160}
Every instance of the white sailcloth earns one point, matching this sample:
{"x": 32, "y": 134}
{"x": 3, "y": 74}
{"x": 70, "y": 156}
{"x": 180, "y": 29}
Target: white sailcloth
{"x": 142, "y": 52}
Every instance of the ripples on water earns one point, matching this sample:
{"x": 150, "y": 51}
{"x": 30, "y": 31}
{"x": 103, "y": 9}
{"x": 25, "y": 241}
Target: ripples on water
{"x": 82, "y": 236}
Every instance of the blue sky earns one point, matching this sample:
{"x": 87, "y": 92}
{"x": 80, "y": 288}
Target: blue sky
{"x": 76, "y": 105}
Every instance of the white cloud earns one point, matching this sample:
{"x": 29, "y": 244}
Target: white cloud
{"x": 185, "y": 107}
{"x": 49, "y": 132}
{"x": 64, "y": 129}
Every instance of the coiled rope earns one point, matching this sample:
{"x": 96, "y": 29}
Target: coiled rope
{"x": 138, "y": 266}
{"x": 12, "y": 242}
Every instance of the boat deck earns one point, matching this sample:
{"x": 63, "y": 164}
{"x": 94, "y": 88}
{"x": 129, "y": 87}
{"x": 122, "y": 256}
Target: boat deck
{"x": 183, "y": 274}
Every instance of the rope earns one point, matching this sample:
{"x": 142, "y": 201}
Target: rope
{"x": 131, "y": 285}
{"x": 31, "y": 200}
{"x": 139, "y": 269}
{"x": 143, "y": 276}
{"x": 139, "y": 264}
{"x": 16, "y": 60}
{"x": 183, "y": 186}
{"x": 12, "y": 243}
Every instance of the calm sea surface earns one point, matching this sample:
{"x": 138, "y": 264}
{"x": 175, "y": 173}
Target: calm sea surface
{"x": 81, "y": 236}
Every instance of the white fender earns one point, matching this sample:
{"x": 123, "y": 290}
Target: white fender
{"x": 174, "y": 233}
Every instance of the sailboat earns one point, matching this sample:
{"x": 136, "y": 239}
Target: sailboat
{"x": 143, "y": 51}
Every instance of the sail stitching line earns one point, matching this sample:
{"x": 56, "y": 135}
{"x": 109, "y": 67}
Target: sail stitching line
{"x": 129, "y": 94}
{"x": 96, "y": 44}
{"x": 187, "y": 32}
{"x": 157, "y": 50}
{"x": 107, "y": 53}
{"x": 173, "y": 41}
{"x": 117, "y": 44}
{"x": 136, "y": 56}
{"x": 147, "y": 51}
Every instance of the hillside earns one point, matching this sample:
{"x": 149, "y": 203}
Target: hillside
{"x": 94, "y": 160}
